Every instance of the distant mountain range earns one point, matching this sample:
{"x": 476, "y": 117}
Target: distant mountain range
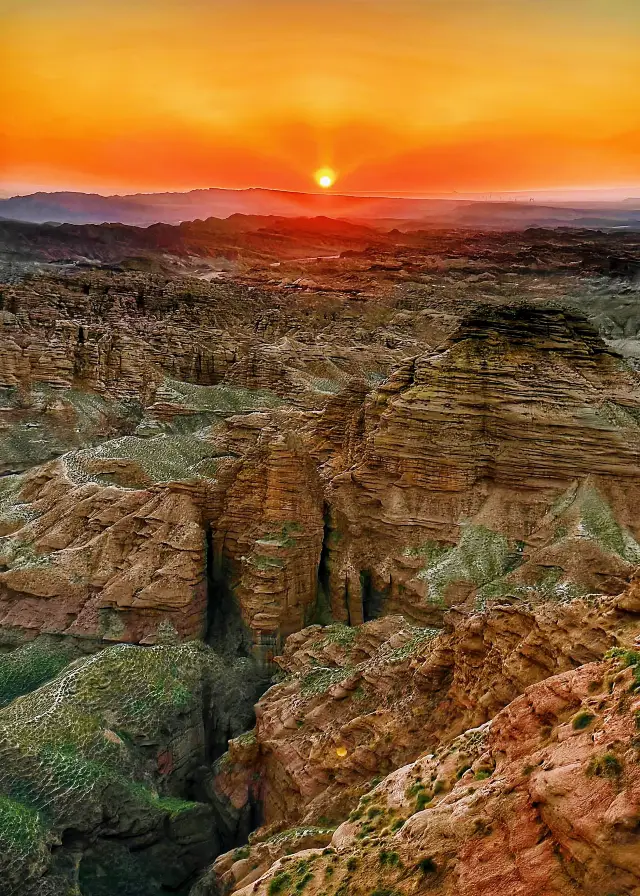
{"x": 243, "y": 243}
{"x": 239, "y": 239}
{"x": 144, "y": 209}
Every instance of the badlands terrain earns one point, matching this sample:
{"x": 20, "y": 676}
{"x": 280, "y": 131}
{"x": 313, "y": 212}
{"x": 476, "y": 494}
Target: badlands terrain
{"x": 319, "y": 560}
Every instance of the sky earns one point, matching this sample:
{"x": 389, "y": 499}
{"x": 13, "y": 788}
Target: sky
{"x": 406, "y": 96}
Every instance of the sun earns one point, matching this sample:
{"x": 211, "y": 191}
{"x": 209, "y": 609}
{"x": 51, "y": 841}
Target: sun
{"x": 325, "y": 178}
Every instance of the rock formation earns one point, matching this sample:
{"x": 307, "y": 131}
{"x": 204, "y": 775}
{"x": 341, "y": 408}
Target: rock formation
{"x": 505, "y": 458}
{"x": 542, "y": 800}
{"x": 495, "y": 697}
{"x": 405, "y": 480}
{"x": 490, "y": 443}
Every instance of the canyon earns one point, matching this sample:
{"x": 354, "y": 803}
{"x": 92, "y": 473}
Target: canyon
{"x": 319, "y": 560}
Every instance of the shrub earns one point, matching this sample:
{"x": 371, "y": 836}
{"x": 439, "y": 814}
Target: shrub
{"x": 278, "y": 883}
{"x": 318, "y": 681}
{"x": 630, "y": 659}
{"x": 605, "y": 766}
{"x": 427, "y": 865}
{"x": 304, "y": 880}
{"x": 582, "y": 720}
{"x": 415, "y": 789}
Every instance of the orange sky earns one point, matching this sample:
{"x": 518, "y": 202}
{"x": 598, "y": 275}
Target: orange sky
{"x": 395, "y": 95}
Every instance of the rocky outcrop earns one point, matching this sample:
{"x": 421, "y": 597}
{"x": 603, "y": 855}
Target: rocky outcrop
{"x": 352, "y": 440}
{"x": 503, "y": 463}
{"x": 269, "y": 537}
{"x": 544, "y": 800}
{"x": 483, "y": 444}
{"x": 356, "y": 703}
{"x": 542, "y": 797}
{"x": 103, "y": 563}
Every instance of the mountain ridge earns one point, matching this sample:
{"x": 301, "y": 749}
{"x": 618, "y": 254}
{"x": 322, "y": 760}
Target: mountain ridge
{"x": 143, "y": 209}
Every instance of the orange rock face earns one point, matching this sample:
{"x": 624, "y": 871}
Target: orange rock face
{"x": 386, "y": 692}
{"x": 541, "y": 798}
{"x": 505, "y": 462}
{"x": 270, "y": 537}
{"x": 187, "y": 486}
{"x": 104, "y": 563}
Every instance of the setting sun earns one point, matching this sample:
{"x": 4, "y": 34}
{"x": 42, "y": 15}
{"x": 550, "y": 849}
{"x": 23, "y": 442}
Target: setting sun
{"x": 325, "y": 178}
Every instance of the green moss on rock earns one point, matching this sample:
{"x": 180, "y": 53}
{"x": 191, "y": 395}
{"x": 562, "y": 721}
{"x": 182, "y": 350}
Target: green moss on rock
{"x": 93, "y": 750}
{"x": 481, "y": 556}
{"x": 31, "y": 665}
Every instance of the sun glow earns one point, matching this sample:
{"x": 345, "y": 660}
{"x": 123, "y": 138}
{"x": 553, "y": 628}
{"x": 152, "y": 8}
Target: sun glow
{"x": 325, "y": 178}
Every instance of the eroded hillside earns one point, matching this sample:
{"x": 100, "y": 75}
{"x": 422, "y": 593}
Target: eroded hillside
{"x": 405, "y": 480}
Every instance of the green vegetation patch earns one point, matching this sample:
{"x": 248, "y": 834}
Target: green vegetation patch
{"x": 280, "y": 883}
{"x": 13, "y": 511}
{"x": 69, "y": 741}
{"x": 550, "y": 585}
{"x": 222, "y": 399}
{"x": 630, "y": 659}
{"x": 325, "y": 385}
{"x": 163, "y": 458}
{"x": 31, "y": 665}
{"x": 606, "y": 766}
{"x": 69, "y": 751}
{"x": 21, "y": 826}
{"x": 248, "y": 739}
{"x": 582, "y": 720}
{"x": 264, "y": 563}
{"x": 321, "y": 678}
{"x": 480, "y": 557}
{"x": 343, "y": 635}
{"x": 427, "y": 865}
{"x": 620, "y": 416}
{"x": 283, "y": 537}
{"x": 26, "y": 444}
{"x": 598, "y": 522}
{"x": 417, "y": 642}
{"x": 39, "y": 437}
{"x": 19, "y": 554}
{"x": 300, "y": 833}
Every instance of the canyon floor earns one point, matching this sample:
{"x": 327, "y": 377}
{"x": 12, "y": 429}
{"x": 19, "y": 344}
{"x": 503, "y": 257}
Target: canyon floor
{"x": 319, "y": 560}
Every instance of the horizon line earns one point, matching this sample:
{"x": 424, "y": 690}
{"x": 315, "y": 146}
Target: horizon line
{"x": 487, "y": 195}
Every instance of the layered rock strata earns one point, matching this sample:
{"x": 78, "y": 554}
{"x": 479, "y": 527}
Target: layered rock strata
{"x": 494, "y": 443}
